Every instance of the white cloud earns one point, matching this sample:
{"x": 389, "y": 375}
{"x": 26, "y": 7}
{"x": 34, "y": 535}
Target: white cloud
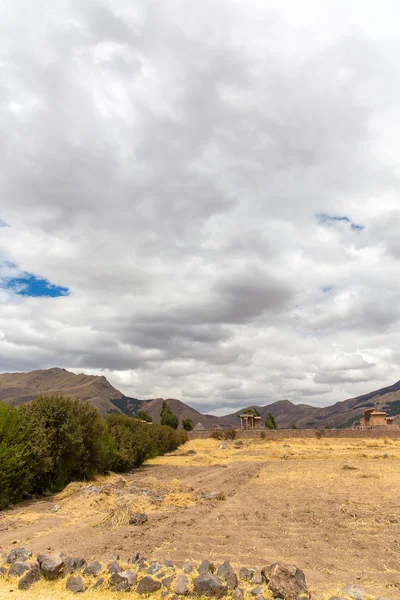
{"x": 168, "y": 162}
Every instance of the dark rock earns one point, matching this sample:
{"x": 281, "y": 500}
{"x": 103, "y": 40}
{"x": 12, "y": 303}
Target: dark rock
{"x": 209, "y": 585}
{"x": 3, "y": 571}
{"x": 188, "y": 567}
{"x": 169, "y": 564}
{"x": 182, "y": 585}
{"x": 138, "y": 519}
{"x": 18, "y": 554}
{"x": 147, "y": 585}
{"x": 231, "y": 580}
{"x": 238, "y": 444}
{"x": 154, "y": 568}
{"x": 74, "y": 584}
{"x": 133, "y": 559}
{"x": 246, "y": 574}
{"x": 285, "y": 581}
{"x": 123, "y": 581}
{"x": 165, "y": 594}
{"x": 18, "y": 568}
{"x": 206, "y": 567}
{"x": 113, "y": 567}
{"x": 238, "y": 594}
{"x": 99, "y": 584}
{"x": 224, "y": 569}
{"x": 167, "y": 581}
{"x": 258, "y": 578}
{"x": 93, "y": 569}
{"x": 355, "y": 592}
{"x": 142, "y": 564}
{"x": 174, "y": 597}
{"x": 161, "y": 574}
{"x": 72, "y": 565}
{"x": 51, "y": 565}
{"x": 257, "y": 590}
{"x": 29, "y": 578}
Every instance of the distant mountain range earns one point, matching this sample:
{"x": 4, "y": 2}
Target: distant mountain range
{"x": 23, "y": 387}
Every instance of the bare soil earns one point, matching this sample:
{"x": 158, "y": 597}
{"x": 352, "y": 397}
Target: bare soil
{"x": 330, "y": 507}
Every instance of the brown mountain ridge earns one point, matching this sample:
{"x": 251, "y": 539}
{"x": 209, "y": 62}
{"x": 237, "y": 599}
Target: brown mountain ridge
{"x": 19, "y": 388}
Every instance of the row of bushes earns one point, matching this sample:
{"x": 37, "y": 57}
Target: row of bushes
{"x": 54, "y": 440}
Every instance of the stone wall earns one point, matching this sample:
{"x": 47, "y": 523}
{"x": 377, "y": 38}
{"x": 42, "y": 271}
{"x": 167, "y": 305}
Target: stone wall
{"x": 392, "y": 431}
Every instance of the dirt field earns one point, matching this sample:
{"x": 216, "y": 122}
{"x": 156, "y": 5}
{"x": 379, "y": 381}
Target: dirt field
{"x": 331, "y": 507}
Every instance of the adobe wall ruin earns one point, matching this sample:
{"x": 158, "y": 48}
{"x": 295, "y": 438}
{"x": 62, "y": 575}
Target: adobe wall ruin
{"x": 392, "y": 432}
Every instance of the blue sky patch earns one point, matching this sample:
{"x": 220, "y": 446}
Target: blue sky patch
{"x": 36, "y": 287}
{"x": 325, "y": 219}
{"x": 327, "y": 288}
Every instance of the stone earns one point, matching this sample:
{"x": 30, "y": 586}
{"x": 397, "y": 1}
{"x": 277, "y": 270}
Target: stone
{"x": 167, "y": 581}
{"x": 56, "y": 508}
{"x": 165, "y": 594}
{"x": 154, "y": 568}
{"x": 238, "y": 444}
{"x": 339, "y": 598}
{"x": 231, "y": 580}
{"x": 29, "y": 578}
{"x": 74, "y": 584}
{"x": 206, "y": 567}
{"x": 99, "y": 584}
{"x": 148, "y": 585}
{"x": 182, "y": 585}
{"x": 72, "y": 565}
{"x": 113, "y": 567}
{"x": 133, "y": 559}
{"x": 258, "y": 578}
{"x": 224, "y": 569}
{"x": 285, "y": 581}
{"x": 169, "y": 564}
{"x": 18, "y": 569}
{"x": 261, "y": 597}
{"x": 188, "y": 568}
{"x": 246, "y": 574}
{"x": 355, "y": 592}
{"x": 51, "y": 565}
{"x": 93, "y": 569}
{"x": 209, "y": 585}
{"x": 238, "y": 594}
{"x": 161, "y": 574}
{"x": 257, "y": 590}
{"x": 18, "y": 554}
{"x": 123, "y": 581}
{"x": 138, "y": 519}
{"x": 213, "y": 495}
{"x": 3, "y": 571}
{"x": 142, "y": 564}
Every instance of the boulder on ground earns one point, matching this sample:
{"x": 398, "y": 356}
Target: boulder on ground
{"x": 29, "y": 578}
{"x": 51, "y": 565}
{"x": 188, "y": 567}
{"x": 169, "y": 564}
{"x": 285, "y": 581}
{"x": 72, "y": 565}
{"x": 138, "y": 519}
{"x": 257, "y": 590}
{"x": 18, "y": 569}
{"x": 99, "y": 584}
{"x": 181, "y": 586}
{"x": 258, "y": 578}
{"x": 133, "y": 559}
{"x": 224, "y": 569}
{"x": 93, "y": 569}
{"x": 167, "y": 581}
{"x": 74, "y": 584}
{"x": 354, "y": 591}
{"x": 113, "y": 567}
{"x": 231, "y": 580}
{"x": 148, "y": 585}
{"x": 3, "y": 571}
{"x": 123, "y": 581}
{"x": 246, "y": 574}
{"x": 18, "y": 554}
{"x": 209, "y": 585}
{"x": 154, "y": 567}
{"x": 206, "y": 567}
{"x": 238, "y": 594}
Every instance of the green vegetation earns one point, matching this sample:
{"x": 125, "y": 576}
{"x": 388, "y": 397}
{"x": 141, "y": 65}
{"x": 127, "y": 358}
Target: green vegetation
{"x": 142, "y": 415}
{"x": 251, "y": 411}
{"x": 270, "y": 421}
{"x": 168, "y": 418}
{"x": 54, "y": 440}
{"x": 216, "y": 435}
{"x": 294, "y": 426}
{"x": 187, "y": 424}
{"x": 230, "y": 434}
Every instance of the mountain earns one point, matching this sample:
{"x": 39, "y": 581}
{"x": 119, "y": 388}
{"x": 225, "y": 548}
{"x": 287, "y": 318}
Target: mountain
{"x": 23, "y": 387}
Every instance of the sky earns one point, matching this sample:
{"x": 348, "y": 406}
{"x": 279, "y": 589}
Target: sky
{"x": 200, "y": 200}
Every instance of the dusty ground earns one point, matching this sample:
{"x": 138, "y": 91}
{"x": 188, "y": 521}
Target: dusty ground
{"x": 332, "y": 507}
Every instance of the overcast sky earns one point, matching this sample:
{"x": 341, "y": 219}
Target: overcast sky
{"x": 200, "y": 200}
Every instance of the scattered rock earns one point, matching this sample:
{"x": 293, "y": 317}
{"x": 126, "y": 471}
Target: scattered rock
{"x": 18, "y": 554}
{"x": 161, "y": 574}
{"x": 355, "y": 592}
{"x": 72, "y": 565}
{"x": 93, "y": 569}
{"x": 99, "y": 584}
{"x": 138, "y": 519}
{"x": 224, "y": 569}
{"x": 148, "y": 585}
{"x": 3, "y": 571}
{"x": 113, "y": 567}
{"x": 257, "y": 590}
{"x": 167, "y": 581}
{"x": 56, "y": 508}
{"x": 285, "y": 581}
{"x": 231, "y": 580}
{"x": 51, "y": 565}
{"x": 206, "y": 567}
{"x": 142, "y": 564}
{"x": 340, "y": 598}
{"x": 133, "y": 559}
{"x": 258, "y": 578}
{"x": 209, "y": 585}
{"x": 29, "y": 578}
{"x": 123, "y": 581}
{"x": 238, "y": 594}
{"x": 213, "y": 495}
{"x": 169, "y": 564}
{"x": 74, "y": 584}
{"x": 223, "y": 446}
{"x": 154, "y": 568}
{"x": 247, "y": 574}
{"x": 238, "y": 444}
{"x": 261, "y": 597}
{"x": 190, "y": 453}
{"x": 18, "y": 569}
{"x": 188, "y": 567}
{"x": 182, "y": 585}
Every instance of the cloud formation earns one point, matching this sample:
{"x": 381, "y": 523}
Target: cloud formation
{"x": 216, "y": 184}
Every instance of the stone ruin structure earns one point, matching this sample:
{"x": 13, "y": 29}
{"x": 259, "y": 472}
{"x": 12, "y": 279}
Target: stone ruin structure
{"x": 250, "y": 421}
{"x": 374, "y": 418}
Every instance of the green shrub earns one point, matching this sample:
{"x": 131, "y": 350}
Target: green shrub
{"x": 262, "y": 435}
{"x": 187, "y": 424}
{"x": 230, "y": 434}
{"x": 216, "y": 435}
{"x": 167, "y": 417}
{"x": 142, "y": 415}
{"x": 270, "y": 421}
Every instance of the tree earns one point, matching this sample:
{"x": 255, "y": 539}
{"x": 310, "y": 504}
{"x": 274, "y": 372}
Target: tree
{"x": 270, "y": 421}
{"x": 294, "y": 426}
{"x": 168, "y": 418}
{"x": 187, "y": 424}
{"x": 142, "y": 415}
